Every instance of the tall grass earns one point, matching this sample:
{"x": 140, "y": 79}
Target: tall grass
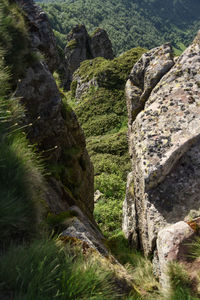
{"x": 21, "y": 188}
{"x": 195, "y": 248}
{"x": 21, "y": 182}
{"x": 180, "y": 282}
{"x": 45, "y": 270}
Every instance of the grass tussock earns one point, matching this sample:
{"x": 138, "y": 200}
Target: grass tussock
{"x": 195, "y": 248}
{"x": 47, "y": 270}
{"x": 21, "y": 180}
{"x": 139, "y": 267}
{"x": 180, "y": 283}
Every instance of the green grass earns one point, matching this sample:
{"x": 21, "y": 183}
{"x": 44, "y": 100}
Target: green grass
{"x": 72, "y": 44}
{"x": 14, "y": 40}
{"x": 21, "y": 180}
{"x": 180, "y": 282}
{"x": 139, "y": 267}
{"x": 108, "y": 210}
{"x": 21, "y": 187}
{"x": 46, "y": 269}
{"x": 102, "y": 114}
{"x": 195, "y": 248}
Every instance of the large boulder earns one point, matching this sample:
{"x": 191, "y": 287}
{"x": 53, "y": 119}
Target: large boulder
{"x": 144, "y": 76}
{"x": 164, "y": 142}
{"x": 172, "y": 245}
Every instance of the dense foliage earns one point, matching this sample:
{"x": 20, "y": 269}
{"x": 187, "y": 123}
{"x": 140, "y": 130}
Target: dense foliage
{"x": 102, "y": 114}
{"x": 129, "y": 23}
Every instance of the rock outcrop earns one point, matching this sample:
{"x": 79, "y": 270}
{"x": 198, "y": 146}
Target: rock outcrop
{"x": 52, "y": 125}
{"x": 100, "y": 44}
{"x": 81, "y": 47}
{"x": 80, "y": 228}
{"x": 163, "y": 101}
{"x": 40, "y": 32}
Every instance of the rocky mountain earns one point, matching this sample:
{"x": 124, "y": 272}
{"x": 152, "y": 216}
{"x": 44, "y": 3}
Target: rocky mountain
{"x": 163, "y": 187}
{"x": 50, "y": 243}
{"x": 80, "y": 46}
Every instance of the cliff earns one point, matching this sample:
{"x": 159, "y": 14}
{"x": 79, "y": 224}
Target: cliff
{"x": 54, "y": 127}
{"x": 163, "y": 106}
{"x": 46, "y": 176}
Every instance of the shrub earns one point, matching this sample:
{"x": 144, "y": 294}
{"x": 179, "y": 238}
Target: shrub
{"x": 102, "y": 114}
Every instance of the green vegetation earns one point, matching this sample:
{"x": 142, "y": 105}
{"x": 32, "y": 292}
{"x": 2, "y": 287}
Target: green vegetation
{"x": 21, "y": 180}
{"x": 102, "y": 114}
{"x": 72, "y": 44}
{"x": 46, "y": 269}
{"x": 139, "y": 268}
{"x": 14, "y": 39}
{"x": 129, "y": 23}
{"x": 31, "y": 268}
{"x": 181, "y": 284}
{"x": 34, "y": 266}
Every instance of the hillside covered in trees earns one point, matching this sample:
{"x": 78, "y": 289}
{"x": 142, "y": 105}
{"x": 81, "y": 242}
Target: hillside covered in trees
{"x": 129, "y": 23}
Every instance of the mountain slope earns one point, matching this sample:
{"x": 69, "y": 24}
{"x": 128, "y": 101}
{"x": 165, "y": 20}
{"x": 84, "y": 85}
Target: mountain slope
{"x": 129, "y": 23}
{"x": 97, "y": 97}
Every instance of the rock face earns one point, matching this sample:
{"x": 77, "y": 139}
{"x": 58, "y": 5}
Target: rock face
{"x": 40, "y": 32}
{"x": 164, "y": 142}
{"x": 81, "y": 47}
{"x": 53, "y": 126}
{"x": 101, "y": 45}
{"x": 82, "y": 229}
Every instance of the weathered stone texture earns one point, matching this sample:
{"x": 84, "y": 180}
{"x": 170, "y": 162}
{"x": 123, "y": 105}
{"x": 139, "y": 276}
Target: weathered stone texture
{"x": 164, "y": 140}
{"x": 144, "y": 76}
{"x": 80, "y": 228}
{"x": 129, "y": 213}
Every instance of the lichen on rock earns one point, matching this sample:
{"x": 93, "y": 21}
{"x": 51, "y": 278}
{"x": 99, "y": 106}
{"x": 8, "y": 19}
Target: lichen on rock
{"x": 164, "y": 137}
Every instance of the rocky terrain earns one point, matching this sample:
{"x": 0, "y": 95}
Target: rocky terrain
{"x": 50, "y": 238}
{"x": 97, "y": 97}
{"x": 163, "y": 188}
{"x": 54, "y": 128}
{"x": 80, "y": 47}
